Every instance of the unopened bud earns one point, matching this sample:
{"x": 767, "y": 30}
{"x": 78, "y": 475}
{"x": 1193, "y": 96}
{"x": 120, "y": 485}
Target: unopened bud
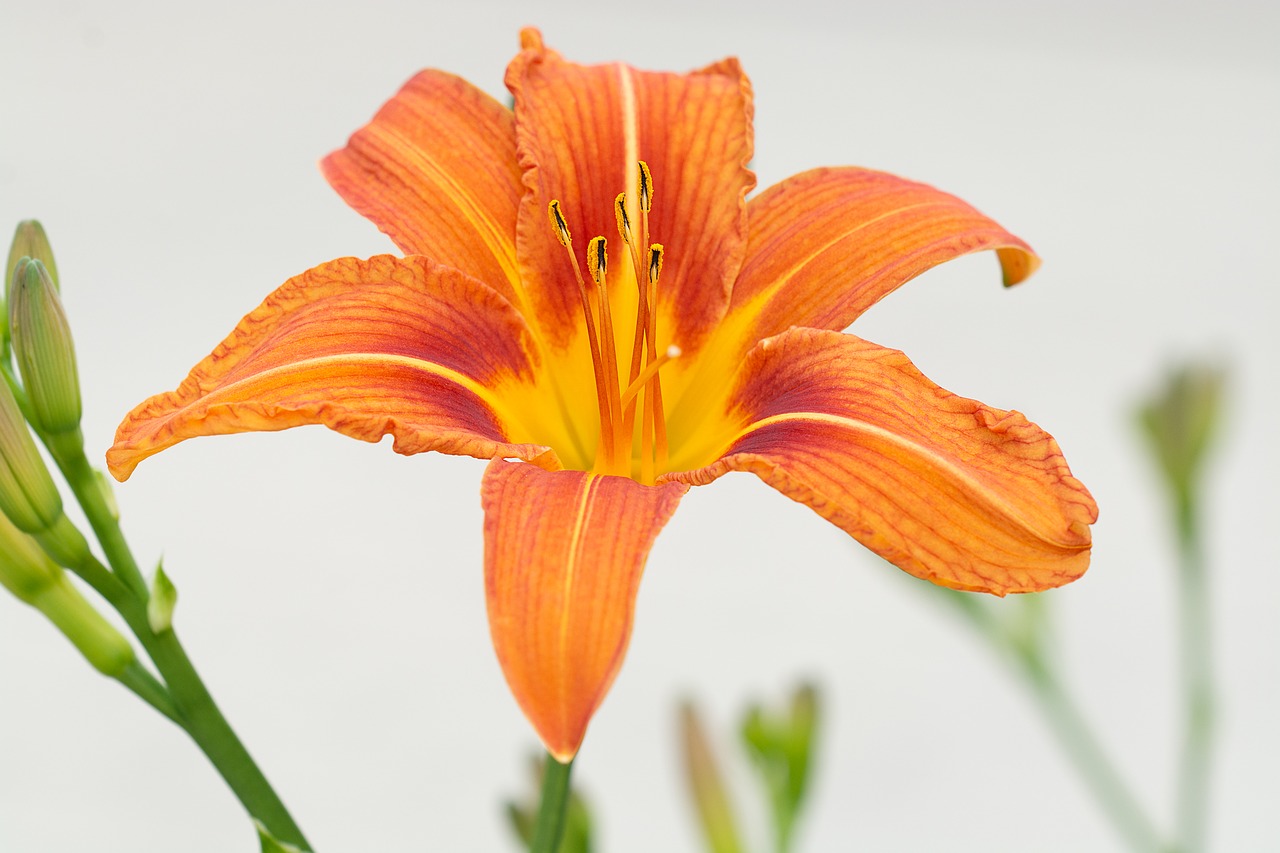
{"x": 45, "y": 351}
{"x": 25, "y": 569}
{"x": 29, "y": 241}
{"x": 95, "y": 637}
{"x": 28, "y": 573}
{"x": 27, "y": 493}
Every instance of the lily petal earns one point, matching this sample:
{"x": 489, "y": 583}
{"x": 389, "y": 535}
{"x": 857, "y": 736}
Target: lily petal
{"x": 564, "y": 552}
{"x": 828, "y": 244}
{"x": 580, "y": 132}
{"x": 399, "y": 346}
{"x": 436, "y": 171}
{"x": 948, "y": 489}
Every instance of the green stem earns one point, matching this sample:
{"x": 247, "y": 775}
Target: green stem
{"x": 1197, "y": 682}
{"x": 196, "y": 711}
{"x": 150, "y": 690}
{"x": 555, "y": 804}
{"x": 1090, "y": 759}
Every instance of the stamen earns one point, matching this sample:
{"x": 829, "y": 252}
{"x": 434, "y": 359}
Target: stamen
{"x": 654, "y": 415}
{"x": 606, "y": 389}
{"x": 597, "y": 265}
{"x": 642, "y": 308}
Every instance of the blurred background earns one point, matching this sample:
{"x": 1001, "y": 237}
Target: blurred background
{"x": 331, "y": 591}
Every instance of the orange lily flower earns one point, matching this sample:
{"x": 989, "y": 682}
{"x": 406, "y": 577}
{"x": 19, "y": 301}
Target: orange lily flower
{"x": 708, "y": 340}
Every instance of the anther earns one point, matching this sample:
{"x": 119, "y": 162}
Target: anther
{"x": 624, "y": 221}
{"x": 558, "y": 224}
{"x": 646, "y": 187}
{"x": 597, "y": 260}
{"x": 655, "y": 262}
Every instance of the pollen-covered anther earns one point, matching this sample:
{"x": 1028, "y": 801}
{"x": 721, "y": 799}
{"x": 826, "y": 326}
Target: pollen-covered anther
{"x": 655, "y": 262}
{"x": 646, "y": 187}
{"x": 624, "y": 221}
{"x": 597, "y": 260}
{"x": 558, "y": 223}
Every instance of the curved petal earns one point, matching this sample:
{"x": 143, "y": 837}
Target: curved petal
{"x": 826, "y": 245}
{"x": 564, "y": 552}
{"x": 948, "y": 489}
{"x": 580, "y": 131}
{"x": 399, "y": 346}
{"x": 436, "y": 171}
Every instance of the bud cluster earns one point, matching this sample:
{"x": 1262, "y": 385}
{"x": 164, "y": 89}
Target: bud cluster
{"x": 36, "y": 537}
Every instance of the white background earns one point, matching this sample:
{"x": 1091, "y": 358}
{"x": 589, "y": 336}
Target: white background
{"x": 332, "y": 592}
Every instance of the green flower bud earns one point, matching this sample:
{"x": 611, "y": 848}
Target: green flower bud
{"x": 29, "y": 241}
{"x": 1180, "y": 420}
{"x": 710, "y": 793}
{"x": 44, "y": 350}
{"x": 95, "y": 637}
{"x": 27, "y": 493}
{"x": 28, "y": 573}
{"x": 25, "y": 569}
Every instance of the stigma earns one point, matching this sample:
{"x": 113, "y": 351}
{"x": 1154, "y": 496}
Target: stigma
{"x": 633, "y": 430}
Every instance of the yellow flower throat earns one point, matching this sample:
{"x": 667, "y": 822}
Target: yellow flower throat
{"x": 619, "y": 404}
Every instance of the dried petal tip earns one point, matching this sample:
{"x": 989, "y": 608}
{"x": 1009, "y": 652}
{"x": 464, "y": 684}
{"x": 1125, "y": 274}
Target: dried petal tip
{"x": 45, "y": 352}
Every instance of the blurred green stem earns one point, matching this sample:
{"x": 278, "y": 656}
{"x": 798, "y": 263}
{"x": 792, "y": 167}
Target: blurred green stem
{"x": 1197, "y": 682}
{"x": 1090, "y": 759}
{"x": 555, "y": 802}
{"x": 1070, "y": 727}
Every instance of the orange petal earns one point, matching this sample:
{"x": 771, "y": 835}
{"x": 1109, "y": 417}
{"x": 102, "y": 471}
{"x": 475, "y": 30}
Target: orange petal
{"x": 436, "y": 171}
{"x": 948, "y": 489}
{"x": 828, "y": 244}
{"x": 564, "y": 551}
{"x": 399, "y": 346}
{"x": 581, "y": 129}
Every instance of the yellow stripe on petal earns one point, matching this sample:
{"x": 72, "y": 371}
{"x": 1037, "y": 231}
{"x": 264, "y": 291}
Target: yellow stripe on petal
{"x": 825, "y": 245}
{"x": 436, "y": 171}
{"x": 946, "y": 488}
{"x": 389, "y": 346}
{"x": 564, "y": 553}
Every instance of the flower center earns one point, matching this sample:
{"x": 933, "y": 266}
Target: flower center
{"x": 619, "y": 403}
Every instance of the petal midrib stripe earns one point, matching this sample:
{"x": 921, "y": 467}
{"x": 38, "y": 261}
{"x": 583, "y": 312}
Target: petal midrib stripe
{"x": 502, "y": 248}
{"x": 781, "y": 280}
{"x": 485, "y": 394}
{"x": 959, "y": 473}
